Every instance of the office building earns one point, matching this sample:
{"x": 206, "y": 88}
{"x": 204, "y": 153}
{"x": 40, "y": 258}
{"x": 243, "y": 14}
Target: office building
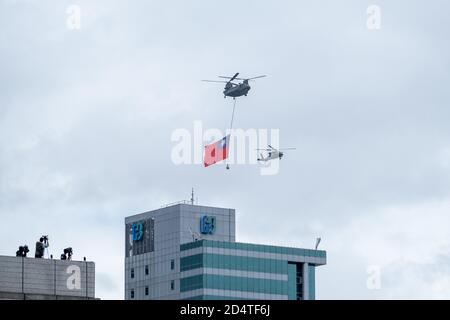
{"x": 187, "y": 251}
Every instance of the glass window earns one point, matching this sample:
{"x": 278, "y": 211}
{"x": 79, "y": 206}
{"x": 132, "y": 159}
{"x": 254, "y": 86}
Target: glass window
{"x": 172, "y": 264}
{"x": 227, "y": 282}
{"x": 242, "y": 263}
{"x": 266, "y": 265}
{"x": 257, "y": 264}
{"x": 246, "y": 263}
{"x": 284, "y": 287}
{"x": 257, "y": 285}
{"x": 132, "y": 294}
{"x": 238, "y": 283}
{"x": 225, "y": 262}
{"x": 132, "y": 274}
{"x": 172, "y": 285}
{"x": 267, "y": 286}
{"x": 222, "y": 282}
{"x": 215, "y": 261}
{"x": 273, "y": 266}
{"x": 146, "y": 291}
{"x": 251, "y": 285}
{"x": 234, "y": 282}
{"x": 245, "y": 284}
{"x": 146, "y": 270}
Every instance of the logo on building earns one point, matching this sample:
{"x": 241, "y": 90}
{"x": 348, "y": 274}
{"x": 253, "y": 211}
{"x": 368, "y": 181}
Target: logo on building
{"x": 137, "y": 231}
{"x": 74, "y": 280}
{"x": 207, "y": 224}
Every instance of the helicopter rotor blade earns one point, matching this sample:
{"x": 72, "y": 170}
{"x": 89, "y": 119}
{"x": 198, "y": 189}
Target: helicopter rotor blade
{"x": 235, "y": 76}
{"x": 256, "y": 77}
{"x": 217, "y": 81}
{"x": 242, "y": 79}
{"x": 231, "y": 78}
{"x": 223, "y": 77}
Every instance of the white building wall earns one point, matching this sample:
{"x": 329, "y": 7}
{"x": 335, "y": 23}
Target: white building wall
{"x": 172, "y": 228}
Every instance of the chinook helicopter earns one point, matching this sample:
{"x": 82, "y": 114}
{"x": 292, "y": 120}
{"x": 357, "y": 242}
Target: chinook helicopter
{"x": 235, "y": 90}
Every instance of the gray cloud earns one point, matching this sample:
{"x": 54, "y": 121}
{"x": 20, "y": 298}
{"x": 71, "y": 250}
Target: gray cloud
{"x": 86, "y": 118}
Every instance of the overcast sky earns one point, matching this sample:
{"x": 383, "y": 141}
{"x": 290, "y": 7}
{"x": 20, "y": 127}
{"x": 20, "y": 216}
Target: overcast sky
{"x": 86, "y": 118}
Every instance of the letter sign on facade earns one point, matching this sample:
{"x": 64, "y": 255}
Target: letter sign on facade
{"x": 207, "y": 224}
{"x": 137, "y": 230}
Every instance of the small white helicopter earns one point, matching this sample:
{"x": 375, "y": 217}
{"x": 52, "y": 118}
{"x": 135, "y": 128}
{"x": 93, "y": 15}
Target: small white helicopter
{"x": 272, "y": 153}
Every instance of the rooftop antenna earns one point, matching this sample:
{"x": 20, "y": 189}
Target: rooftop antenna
{"x": 192, "y": 196}
{"x": 317, "y": 242}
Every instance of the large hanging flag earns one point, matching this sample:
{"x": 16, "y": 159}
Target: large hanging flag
{"x": 216, "y": 151}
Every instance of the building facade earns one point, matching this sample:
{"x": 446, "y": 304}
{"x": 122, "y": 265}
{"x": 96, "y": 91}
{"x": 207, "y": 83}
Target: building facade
{"x": 187, "y": 252}
{"x": 45, "y": 279}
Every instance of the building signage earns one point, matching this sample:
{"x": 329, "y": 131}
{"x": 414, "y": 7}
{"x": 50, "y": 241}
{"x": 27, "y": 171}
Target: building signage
{"x": 207, "y": 224}
{"x": 137, "y": 231}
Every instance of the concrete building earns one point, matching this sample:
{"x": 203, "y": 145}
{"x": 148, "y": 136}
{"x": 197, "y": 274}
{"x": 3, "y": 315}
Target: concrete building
{"x": 188, "y": 251}
{"x": 44, "y": 279}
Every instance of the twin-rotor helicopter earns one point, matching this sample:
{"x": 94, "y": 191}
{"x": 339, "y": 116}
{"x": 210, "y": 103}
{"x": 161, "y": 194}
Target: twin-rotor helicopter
{"x": 235, "y": 90}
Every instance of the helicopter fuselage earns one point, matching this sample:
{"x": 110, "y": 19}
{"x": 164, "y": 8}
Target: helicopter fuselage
{"x": 272, "y": 155}
{"x": 233, "y": 89}
{"x": 237, "y": 90}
